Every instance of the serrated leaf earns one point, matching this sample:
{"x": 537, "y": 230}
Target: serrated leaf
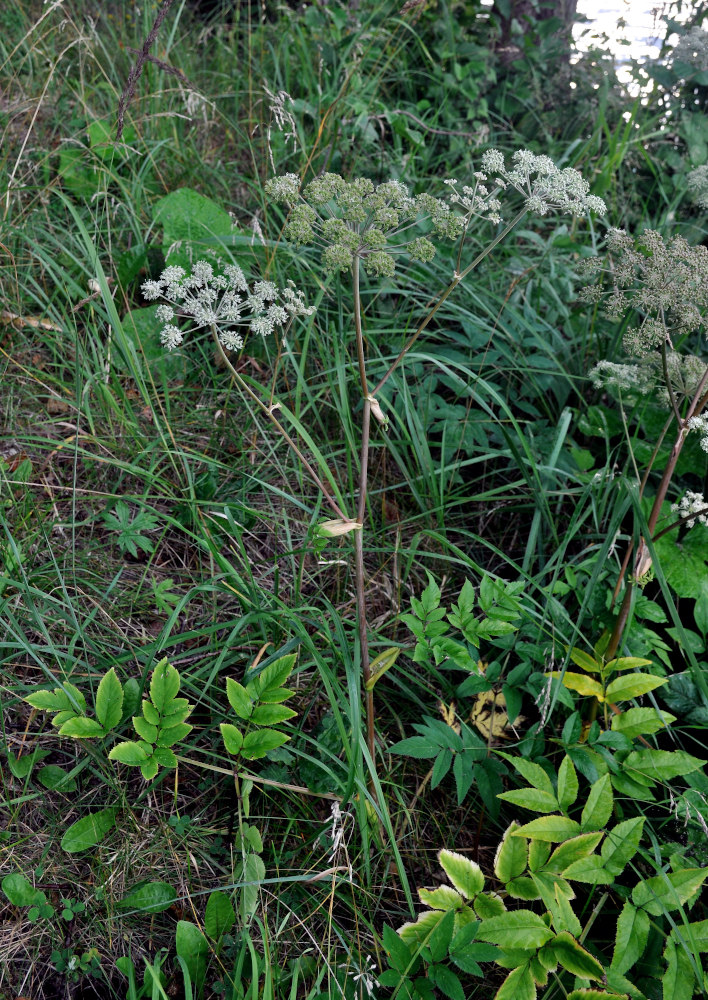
{"x": 239, "y": 698}
{"x": 164, "y": 685}
{"x": 397, "y": 951}
{"x": 258, "y": 744}
{"x": 446, "y": 981}
{"x": 275, "y": 674}
{"x": 627, "y": 663}
{"x": 524, "y": 888}
{"x": 662, "y": 765}
{"x": 515, "y": 929}
{"x": 533, "y": 773}
{"x": 573, "y": 957}
{"x": 145, "y": 730}
{"x": 488, "y": 905}
{"x": 150, "y": 768}
{"x": 417, "y": 933}
{"x": 441, "y": 936}
{"x": 633, "y": 686}
{"x": 442, "y": 898}
{"x": 592, "y": 994}
{"x": 81, "y": 728}
{"x": 109, "y": 700}
{"x": 168, "y": 737}
{"x": 533, "y": 799}
{"x": 553, "y": 829}
{"x": 129, "y": 753}
{"x": 573, "y": 850}
{"x": 678, "y": 981}
{"x": 149, "y": 897}
{"x": 56, "y": 779}
{"x": 219, "y": 916}
{"x": 512, "y": 855}
{"x": 150, "y": 713}
{"x": 88, "y": 831}
{"x": 567, "y": 784}
{"x": 232, "y": 737}
{"x": 589, "y": 870}
{"x": 465, "y": 874}
{"x": 539, "y": 853}
{"x": 621, "y": 844}
{"x": 416, "y": 746}
{"x": 271, "y": 715}
{"x": 580, "y": 682}
{"x": 518, "y": 985}
{"x": 563, "y": 916}
{"x": 630, "y": 938}
{"x": 164, "y": 757}
{"x": 668, "y": 891}
{"x": 641, "y": 722}
{"x": 598, "y": 807}
{"x": 49, "y": 701}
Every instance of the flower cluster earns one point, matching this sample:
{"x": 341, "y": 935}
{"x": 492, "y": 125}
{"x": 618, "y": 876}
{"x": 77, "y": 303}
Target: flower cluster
{"x": 700, "y": 424}
{"x": 665, "y": 281}
{"x": 697, "y": 183}
{"x": 692, "y": 503}
{"x": 222, "y": 301}
{"x": 649, "y": 376}
{"x": 543, "y": 185}
{"x": 358, "y": 219}
{"x": 692, "y": 48}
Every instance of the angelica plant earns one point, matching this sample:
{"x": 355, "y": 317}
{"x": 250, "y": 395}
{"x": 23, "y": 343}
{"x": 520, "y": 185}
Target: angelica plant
{"x": 664, "y": 282}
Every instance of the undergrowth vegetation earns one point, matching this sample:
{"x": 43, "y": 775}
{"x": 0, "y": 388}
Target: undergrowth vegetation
{"x": 354, "y": 547}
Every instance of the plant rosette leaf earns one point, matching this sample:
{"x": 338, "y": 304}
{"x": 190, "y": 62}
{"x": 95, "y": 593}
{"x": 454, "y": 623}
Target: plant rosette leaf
{"x": 85, "y": 833}
{"x": 219, "y": 915}
{"x": 149, "y": 897}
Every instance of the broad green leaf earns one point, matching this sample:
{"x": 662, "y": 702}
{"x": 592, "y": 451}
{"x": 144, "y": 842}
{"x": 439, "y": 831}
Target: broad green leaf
{"x": 85, "y": 833}
{"x": 193, "y": 948}
{"x": 564, "y": 918}
{"x": 49, "y": 701}
{"x": 515, "y": 929}
{"x": 149, "y": 897}
{"x": 164, "y": 685}
{"x": 531, "y": 798}
{"x": 145, "y": 730}
{"x": 150, "y": 713}
{"x": 56, "y": 779}
{"x": 20, "y": 891}
{"x": 518, "y": 985}
{"x": 465, "y": 875}
{"x": 668, "y": 891}
{"x": 219, "y": 916}
{"x": 589, "y": 870}
{"x": 533, "y": 773}
{"x": 177, "y": 711}
{"x": 239, "y": 698}
{"x": 488, "y": 904}
{"x": 232, "y": 737}
{"x": 275, "y": 674}
{"x": 257, "y": 744}
{"x": 81, "y": 728}
{"x": 567, "y": 784}
{"x": 632, "y": 686}
{"x": 678, "y": 981}
{"x": 164, "y": 757}
{"x": 109, "y": 700}
{"x": 446, "y": 981}
{"x": 149, "y": 769}
{"x": 573, "y": 850}
{"x": 630, "y": 938}
{"x": 580, "y": 682}
{"x": 169, "y": 736}
{"x": 573, "y": 957}
{"x": 661, "y": 765}
{"x": 271, "y": 715}
{"x": 582, "y": 659}
{"x": 128, "y": 753}
{"x": 553, "y": 829}
{"x": 697, "y": 934}
{"x": 598, "y": 807}
{"x": 417, "y": 933}
{"x": 441, "y": 936}
{"x": 523, "y": 888}
{"x": 641, "y": 722}
{"x": 627, "y": 663}
{"x": 253, "y": 874}
{"x": 539, "y": 853}
{"x": 21, "y": 766}
{"x": 538, "y": 971}
{"x": 512, "y": 855}
{"x": 131, "y": 697}
{"x": 397, "y": 951}
{"x": 442, "y": 898}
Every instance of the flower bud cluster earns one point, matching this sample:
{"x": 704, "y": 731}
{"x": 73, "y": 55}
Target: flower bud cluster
{"x": 665, "y": 281}
{"x": 359, "y": 219}
{"x": 649, "y": 376}
{"x": 221, "y": 300}
{"x": 700, "y": 424}
{"x": 692, "y": 503}
{"x": 697, "y": 183}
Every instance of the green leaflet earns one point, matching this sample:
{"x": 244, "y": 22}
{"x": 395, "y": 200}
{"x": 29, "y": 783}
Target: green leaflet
{"x": 567, "y": 784}
{"x": 553, "y": 829}
{"x": 631, "y": 937}
{"x": 515, "y": 929}
{"x": 88, "y": 831}
{"x": 464, "y": 874}
{"x": 598, "y": 807}
{"x": 661, "y": 765}
{"x": 109, "y": 700}
{"x": 512, "y": 855}
{"x": 668, "y": 891}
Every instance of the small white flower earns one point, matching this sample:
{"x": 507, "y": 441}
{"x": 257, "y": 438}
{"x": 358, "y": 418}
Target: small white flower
{"x": 171, "y": 337}
{"x": 165, "y": 313}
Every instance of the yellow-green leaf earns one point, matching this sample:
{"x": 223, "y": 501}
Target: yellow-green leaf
{"x": 582, "y": 659}
{"x": 573, "y": 957}
{"x": 442, "y": 898}
{"x": 531, "y": 798}
{"x": 598, "y": 806}
{"x": 383, "y": 662}
{"x": 554, "y": 829}
{"x": 465, "y": 874}
{"x": 512, "y": 855}
{"x": 581, "y": 683}
{"x": 567, "y": 784}
{"x": 633, "y": 686}
{"x": 641, "y": 721}
{"x": 627, "y": 663}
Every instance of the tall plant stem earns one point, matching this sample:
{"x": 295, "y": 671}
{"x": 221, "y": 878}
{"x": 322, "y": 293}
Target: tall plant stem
{"x": 268, "y": 411}
{"x": 360, "y": 581}
{"x": 697, "y": 405}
